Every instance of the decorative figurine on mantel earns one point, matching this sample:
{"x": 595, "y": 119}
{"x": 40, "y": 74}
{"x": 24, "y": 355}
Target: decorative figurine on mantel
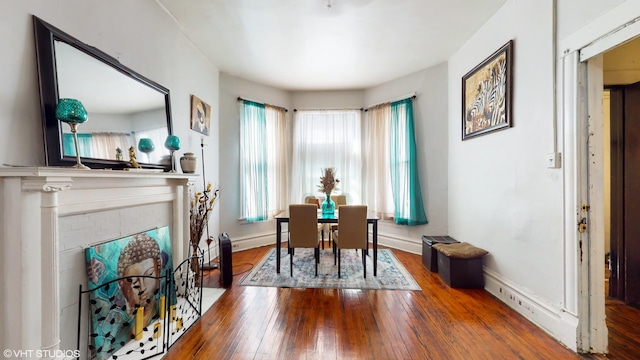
{"x": 118, "y": 154}
{"x": 132, "y": 158}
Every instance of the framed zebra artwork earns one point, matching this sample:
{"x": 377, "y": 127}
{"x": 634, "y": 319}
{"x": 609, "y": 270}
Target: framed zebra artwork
{"x": 486, "y": 94}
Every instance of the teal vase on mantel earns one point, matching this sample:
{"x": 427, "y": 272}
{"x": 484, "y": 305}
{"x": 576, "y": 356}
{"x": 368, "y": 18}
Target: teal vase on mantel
{"x": 328, "y": 206}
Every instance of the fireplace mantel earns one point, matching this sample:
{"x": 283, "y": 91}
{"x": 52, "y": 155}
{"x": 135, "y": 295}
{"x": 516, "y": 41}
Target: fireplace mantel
{"x": 33, "y": 201}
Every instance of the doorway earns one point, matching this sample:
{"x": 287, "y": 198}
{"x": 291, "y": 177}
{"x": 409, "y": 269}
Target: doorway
{"x": 582, "y": 87}
{"x": 624, "y": 175}
{"x": 620, "y": 150}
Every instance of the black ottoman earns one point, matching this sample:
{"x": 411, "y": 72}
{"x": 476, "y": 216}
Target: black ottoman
{"x": 429, "y": 254}
{"x": 460, "y": 265}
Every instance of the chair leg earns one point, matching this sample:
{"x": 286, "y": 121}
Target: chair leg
{"x": 317, "y": 256}
{"x": 338, "y": 262}
{"x": 322, "y": 232}
{"x": 291, "y": 263}
{"x": 364, "y": 264}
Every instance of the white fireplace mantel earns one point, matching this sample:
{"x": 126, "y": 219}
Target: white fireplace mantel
{"x": 33, "y": 201}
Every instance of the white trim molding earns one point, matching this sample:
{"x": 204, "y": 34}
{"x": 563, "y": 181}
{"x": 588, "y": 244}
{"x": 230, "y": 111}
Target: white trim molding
{"x": 557, "y": 322}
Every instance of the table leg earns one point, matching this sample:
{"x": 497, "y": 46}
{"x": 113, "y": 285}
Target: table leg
{"x": 278, "y": 244}
{"x": 375, "y": 247}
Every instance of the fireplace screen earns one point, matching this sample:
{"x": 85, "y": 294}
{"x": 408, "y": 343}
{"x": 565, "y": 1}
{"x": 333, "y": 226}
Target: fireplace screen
{"x": 127, "y": 280}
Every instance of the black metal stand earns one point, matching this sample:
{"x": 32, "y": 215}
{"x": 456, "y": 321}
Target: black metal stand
{"x": 209, "y": 265}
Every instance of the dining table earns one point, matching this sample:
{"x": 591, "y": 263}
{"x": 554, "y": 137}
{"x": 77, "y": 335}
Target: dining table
{"x": 372, "y": 219}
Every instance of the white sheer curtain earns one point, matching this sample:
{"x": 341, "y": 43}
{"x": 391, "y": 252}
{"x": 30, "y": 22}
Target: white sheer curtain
{"x": 277, "y": 168}
{"x": 326, "y": 138}
{"x": 104, "y": 145}
{"x": 378, "y": 195}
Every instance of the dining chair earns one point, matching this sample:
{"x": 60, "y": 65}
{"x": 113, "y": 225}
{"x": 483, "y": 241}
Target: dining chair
{"x": 352, "y": 232}
{"x": 339, "y": 200}
{"x": 303, "y": 231}
{"x": 310, "y": 199}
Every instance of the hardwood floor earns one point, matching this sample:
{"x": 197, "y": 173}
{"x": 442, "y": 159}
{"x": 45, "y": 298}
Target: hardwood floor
{"x": 436, "y": 323}
{"x": 623, "y": 322}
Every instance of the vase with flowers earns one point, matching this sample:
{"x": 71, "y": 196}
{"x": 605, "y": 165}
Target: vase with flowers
{"x": 201, "y": 205}
{"x": 328, "y": 183}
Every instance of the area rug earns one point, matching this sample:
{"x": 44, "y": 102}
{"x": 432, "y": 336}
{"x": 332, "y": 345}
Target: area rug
{"x": 391, "y": 275}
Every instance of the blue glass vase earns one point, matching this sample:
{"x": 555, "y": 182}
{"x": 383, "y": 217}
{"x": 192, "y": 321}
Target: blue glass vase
{"x": 328, "y": 206}
{"x": 172, "y": 143}
{"x": 73, "y": 113}
{"x": 146, "y": 146}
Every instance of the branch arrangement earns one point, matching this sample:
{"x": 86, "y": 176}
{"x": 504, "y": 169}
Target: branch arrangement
{"x": 201, "y": 206}
{"x": 329, "y": 181}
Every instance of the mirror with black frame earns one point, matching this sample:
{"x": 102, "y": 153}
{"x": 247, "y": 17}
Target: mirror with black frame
{"x": 125, "y": 109}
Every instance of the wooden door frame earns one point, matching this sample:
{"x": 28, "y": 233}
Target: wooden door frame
{"x": 584, "y": 200}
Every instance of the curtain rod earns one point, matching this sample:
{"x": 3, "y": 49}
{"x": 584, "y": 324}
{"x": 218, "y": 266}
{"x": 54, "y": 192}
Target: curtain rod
{"x": 257, "y": 102}
{"x": 361, "y": 109}
{"x": 412, "y": 96}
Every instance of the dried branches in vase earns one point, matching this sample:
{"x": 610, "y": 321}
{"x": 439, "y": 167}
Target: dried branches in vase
{"x": 327, "y": 185}
{"x": 328, "y": 181}
{"x": 201, "y": 206}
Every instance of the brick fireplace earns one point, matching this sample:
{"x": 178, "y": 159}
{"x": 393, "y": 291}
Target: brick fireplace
{"x": 48, "y": 217}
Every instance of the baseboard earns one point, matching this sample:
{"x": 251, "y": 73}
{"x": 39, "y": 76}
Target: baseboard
{"x": 558, "y": 323}
{"x": 254, "y": 241}
{"x": 408, "y": 245}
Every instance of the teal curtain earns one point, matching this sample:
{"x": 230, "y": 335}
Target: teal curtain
{"x": 253, "y": 152}
{"x": 84, "y": 145}
{"x": 405, "y": 181}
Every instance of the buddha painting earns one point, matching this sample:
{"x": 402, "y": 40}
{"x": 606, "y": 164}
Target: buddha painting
{"x": 140, "y": 265}
{"x": 123, "y": 275}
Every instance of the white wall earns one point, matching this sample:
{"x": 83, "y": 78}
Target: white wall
{"x": 502, "y": 195}
{"x": 575, "y": 14}
{"x": 341, "y": 99}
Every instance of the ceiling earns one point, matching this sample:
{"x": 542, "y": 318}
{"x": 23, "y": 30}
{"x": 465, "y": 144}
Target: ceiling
{"x": 621, "y": 65}
{"x": 307, "y": 45}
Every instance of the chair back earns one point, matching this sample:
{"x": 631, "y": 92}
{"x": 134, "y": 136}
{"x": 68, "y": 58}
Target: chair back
{"x": 352, "y": 225}
{"x": 312, "y": 200}
{"x": 339, "y": 200}
{"x": 303, "y": 225}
